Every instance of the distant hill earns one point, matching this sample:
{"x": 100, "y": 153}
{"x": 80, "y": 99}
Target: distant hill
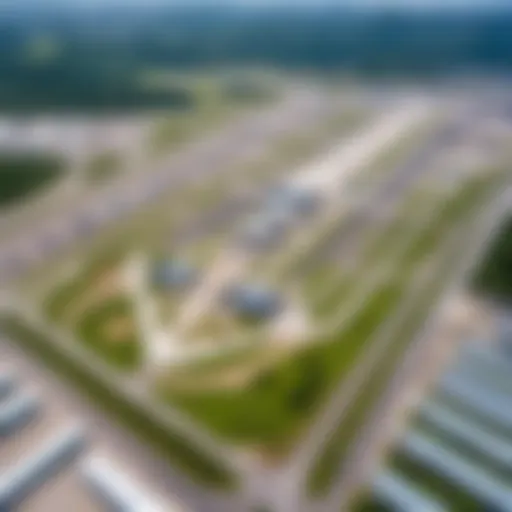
{"x": 94, "y": 54}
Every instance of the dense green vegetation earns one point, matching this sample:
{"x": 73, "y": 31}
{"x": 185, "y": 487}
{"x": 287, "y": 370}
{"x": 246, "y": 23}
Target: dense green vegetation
{"x": 22, "y": 174}
{"x": 92, "y": 58}
{"x": 72, "y": 85}
{"x": 84, "y": 75}
{"x": 494, "y": 276}
{"x": 168, "y": 444}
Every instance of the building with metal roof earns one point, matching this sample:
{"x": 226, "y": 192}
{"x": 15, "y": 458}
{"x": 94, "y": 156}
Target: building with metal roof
{"x": 115, "y": 490}
{"x": 173, "y": 275}
{"x": 264, "y": 232}
{"x": 17, "y": 411}
{"x": 252, "y": 301}
{"x": 481, "y": 400}
{"x": 19, "y": 482}
{"x": 456, "y": 426}
{"x": 459, "y": 441}
{"x": 7, "y": 384}
{"x": 476, "y": 482}
{"x": 296, "y": 201}
{"x": 505, "y": 335}
{"x": 399, "y": 494}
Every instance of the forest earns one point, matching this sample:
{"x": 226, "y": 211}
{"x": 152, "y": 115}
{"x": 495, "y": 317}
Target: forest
{"x": 92, "y": 59}
{"x": 494, "y": 276}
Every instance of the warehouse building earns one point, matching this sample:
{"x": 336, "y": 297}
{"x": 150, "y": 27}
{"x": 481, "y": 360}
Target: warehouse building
{"x": 7, "y": 384}
{"x": 252, "y": 301}
{"x": 399, "y": 494}
{"x": 114, "y": 490}
{"x": 173, "y": 275}
{"x": 296, "y": 201}
{"x": 20, "y": 481}
{"x": 17, "y": 411}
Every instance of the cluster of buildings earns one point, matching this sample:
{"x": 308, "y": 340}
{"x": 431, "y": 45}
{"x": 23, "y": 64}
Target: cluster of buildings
{"x": 285, "y": 207}
{"x": 247, "y": 301}
{"x": 457, "y": 455}
{"x": 71, "y": 136}
{"x": 46, "y": 465}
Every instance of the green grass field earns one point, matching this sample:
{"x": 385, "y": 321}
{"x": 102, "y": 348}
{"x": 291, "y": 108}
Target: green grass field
{"x": 272, "y": 410}
{"x": 106, "y": 327}
{"x": 109, "y": 330}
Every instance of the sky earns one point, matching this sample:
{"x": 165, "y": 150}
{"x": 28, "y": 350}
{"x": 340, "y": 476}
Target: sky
{"x": 372, "y": 4}
{"x": 379, "y": 4}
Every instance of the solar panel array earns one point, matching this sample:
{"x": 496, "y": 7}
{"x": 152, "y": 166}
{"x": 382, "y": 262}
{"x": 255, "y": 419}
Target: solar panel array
{"x": 457, "y": 454}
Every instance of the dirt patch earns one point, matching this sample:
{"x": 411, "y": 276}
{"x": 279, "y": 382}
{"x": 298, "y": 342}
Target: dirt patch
{"x": 215, "y": 327}
{"x": 118, "y": 329}
{"x": 103, "y": 287}
{"x": 229, "y": 377}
